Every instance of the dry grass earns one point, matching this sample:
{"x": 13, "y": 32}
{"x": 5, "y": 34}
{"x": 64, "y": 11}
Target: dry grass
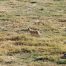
{"x": 47, "y": 16}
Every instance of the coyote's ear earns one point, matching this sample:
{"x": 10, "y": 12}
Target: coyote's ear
{"x": 28, "y": 28}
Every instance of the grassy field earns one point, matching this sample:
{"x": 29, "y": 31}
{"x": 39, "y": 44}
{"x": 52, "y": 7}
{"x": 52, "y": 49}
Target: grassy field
{"x": 18, "y": 47}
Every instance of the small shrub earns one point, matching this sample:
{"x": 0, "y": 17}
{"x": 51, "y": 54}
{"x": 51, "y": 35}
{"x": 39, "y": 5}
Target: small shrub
{"x": 62, "y": 61}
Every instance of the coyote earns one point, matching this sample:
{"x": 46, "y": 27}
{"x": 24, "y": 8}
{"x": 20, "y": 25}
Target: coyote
{"x": 34, "y": 32}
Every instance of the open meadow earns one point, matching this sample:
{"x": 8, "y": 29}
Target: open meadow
{"x": 32, "y": 32}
